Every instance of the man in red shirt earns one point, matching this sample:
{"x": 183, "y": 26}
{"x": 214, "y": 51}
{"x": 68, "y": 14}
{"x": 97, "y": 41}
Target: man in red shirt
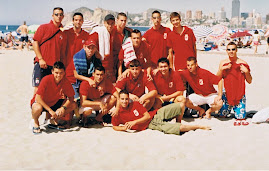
{"x": 48, "y": 51}
{"x": 134, "y": 116}
{"x": 169, "y": 85}
{"x": 121, "y": 34}
{"x": 141, "y": 52}
{"x": 76, "y": 37}
{"x": 202, "y": 82}
{"x": 136, "y": 84}
{"x": 102, "y": 97}
{"x": 234, "y": 72}
{"x": 156, "y": 37}
{"x": 181, "y": 41}
{"x": 49, "y": 97}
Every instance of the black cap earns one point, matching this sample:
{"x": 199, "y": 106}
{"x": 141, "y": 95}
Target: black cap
{"x": 109, "y": 17}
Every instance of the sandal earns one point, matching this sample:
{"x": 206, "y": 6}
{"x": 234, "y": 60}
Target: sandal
{"x": 36, "y": 130}
{"x": 58, "y": 127}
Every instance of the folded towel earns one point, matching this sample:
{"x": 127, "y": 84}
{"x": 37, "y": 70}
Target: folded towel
{"x": 104, "y": 40}
{"x": 128, "y": 52}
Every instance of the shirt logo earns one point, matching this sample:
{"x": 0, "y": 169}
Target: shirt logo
{"x": 171, "y": 84}
{"x": 201, "y": 82}
{"x": 136, "y": 112}
{"x": 186, "y": 37}
{"x": 61, "y": 37}
{"x": 83, "y": 41}
{"x": 164, "y": 36}
{"x": 138, "y": 85}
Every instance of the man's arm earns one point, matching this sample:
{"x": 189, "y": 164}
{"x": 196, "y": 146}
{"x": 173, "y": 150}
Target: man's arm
{"x": 151, "y": 94}
{"x": 246, "y": 71}
{"x": 170, "y": 57}
{"x": 36, "y": 47}
{"x": 88, "y": 103}
{"x": 195, "y": 50}
{"x": 173, "y": 95}
{"x": 61, "y": 111}
{"x": 83, "y": 78}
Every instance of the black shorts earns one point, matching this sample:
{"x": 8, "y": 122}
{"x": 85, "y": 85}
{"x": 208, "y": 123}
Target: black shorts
{"x": 268, "y": 40}
{"x": 39, "y": 73}
{"x": 24, "y": 38}
{"x": 56, "y": 106}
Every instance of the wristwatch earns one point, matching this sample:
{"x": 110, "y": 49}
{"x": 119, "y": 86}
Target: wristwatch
{"x": 64, "y": 107}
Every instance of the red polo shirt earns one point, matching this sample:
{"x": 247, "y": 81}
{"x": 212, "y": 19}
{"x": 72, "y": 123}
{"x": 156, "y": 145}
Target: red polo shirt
{"x": 54, "y": 49}
{"x": 170, "y": 85}
{"x": 157, "y": 40}
{"x": 136, "y": 87}
{"x": 182, "y": 45}
{"x": 74, "y": 44}
{"x": 142, "y": 53}
{"x": 96, "y": 92}
{"x": 134, "y": 111}
{"x": 201, "y": 83}
{"x": 52, "y": 92}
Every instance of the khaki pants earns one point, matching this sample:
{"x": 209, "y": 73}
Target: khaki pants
{"x": 166, "y": 113}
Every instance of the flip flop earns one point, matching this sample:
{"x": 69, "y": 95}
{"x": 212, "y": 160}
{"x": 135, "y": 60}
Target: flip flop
{"x": 55, "y": 127}
{"x": 36, "y": 129}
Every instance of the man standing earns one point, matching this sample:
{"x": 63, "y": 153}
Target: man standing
{"x": 76, "y": 37}
{"x": 156, "y": 37}
{"x": 202, "y": 82}
{"x": 49, "y": 46}
{"x": 23, "y": 30}
{"x": 234, "y": 72}
{"x": 181, "y": 43}
{"x": 134, "y": 116}
{"x": 136, "y": 84}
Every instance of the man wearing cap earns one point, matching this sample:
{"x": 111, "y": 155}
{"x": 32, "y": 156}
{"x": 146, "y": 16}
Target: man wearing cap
{"x": 105, "y": 45}
{"x": 85, "y": 61}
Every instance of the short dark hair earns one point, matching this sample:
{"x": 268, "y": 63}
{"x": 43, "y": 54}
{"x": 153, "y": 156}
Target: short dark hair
{"x": 191, "y": 58}
{"x": 121, "y": 14}
{"x": 124, "y": 91}
{"x": 155, "y": 11}
{"x": 232, "y": 43}
{"x": 136, "y": 31}
{"x": 100, "y": 68}
{"x": 77, "y": 13}
{"x": 134, "y": 63}
{"x": 163, "y": 60}
{"x": 58, "y": 65}
{"x": 58, "y": 8}
{"x": 175, "y": 14}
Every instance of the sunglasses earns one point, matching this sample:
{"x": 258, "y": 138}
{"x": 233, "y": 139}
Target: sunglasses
{"x": 231, "y": 49}
{"x": 59, "y": 14}
{"x": 156, "y": 17}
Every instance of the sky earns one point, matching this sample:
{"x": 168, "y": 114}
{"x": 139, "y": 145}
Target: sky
{"x": 14, "y": 12}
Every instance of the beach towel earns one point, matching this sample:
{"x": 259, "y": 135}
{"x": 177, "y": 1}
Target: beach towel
{"x": 261, "y": 116}
{"x": 234, "y": 83}
{"x": 128, "y": 52}
{"x": 104, "y": 40}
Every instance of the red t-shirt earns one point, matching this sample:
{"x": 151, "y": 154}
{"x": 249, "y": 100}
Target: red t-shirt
{"x": 168, "y": 86}
{"x": 234, "y": 83}
{"x": 142, "y": 53}
{"x": 74, "y": 44}
{"x": 183, "y": 46}
{"x": 51, "y": 92}
{"x": 201, "y": 83}
{"x": 157, "y": 40}
{"x": 96, "y": 92}
{"x": 134, "y": 111}
{"x": 54, "y": 49}
{"x": 136, "y": 87}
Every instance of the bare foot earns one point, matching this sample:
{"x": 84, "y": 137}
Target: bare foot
{"x": 201, "y": 113}
{"x": 205, "y": 127}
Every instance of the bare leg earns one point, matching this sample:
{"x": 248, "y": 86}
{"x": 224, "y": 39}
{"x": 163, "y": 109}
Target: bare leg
{"x": 149, "y": 103}
{"x": 182, "y": 101}
{"x": 189, "y": 104}
{"x": 36, "y": 112}
{"x": 186, "y": 128}
{"x": 157, "y": 104}
{"x": 213, "y": 108}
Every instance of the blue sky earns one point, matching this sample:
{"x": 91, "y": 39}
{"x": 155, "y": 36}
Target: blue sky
{"x": 39, "y": 11}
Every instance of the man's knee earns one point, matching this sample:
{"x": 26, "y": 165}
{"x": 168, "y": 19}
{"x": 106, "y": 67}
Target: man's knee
{"x": 37, "y": 109}
{"x": 87, "y": 112}
{"x": 181, "y": 99}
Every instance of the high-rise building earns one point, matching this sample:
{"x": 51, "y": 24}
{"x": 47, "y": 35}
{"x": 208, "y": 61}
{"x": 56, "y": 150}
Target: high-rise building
{"x": 188, "y": 14}
{"x": 198, "y": 14}
{"x": 235, "y": 8}
{"x": 267, "y": 19}
{"x": 244, "y": 15}
{"x": 222, "y": 14}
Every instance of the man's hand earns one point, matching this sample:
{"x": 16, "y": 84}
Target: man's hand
{"x": 104, "y": 108}
{"x": 134, "y": 97}
{"x": 43, "y": 64}
{"x": 114, "y": 112}
{"x": 243, "y": 68}
{"x": 125, "y": 74}
{"x": 130, "y": 124}
{"x": 154, "y": 72}
{"x": 142, "y": 100}
{"x": 53, "y": 114}
{"x": 226, "y": 66}
{"x": 60, "y": 112}
{"x": 149, "y": 77}
{"x": 217, "y": 99}
{"x": 91, "y": 82}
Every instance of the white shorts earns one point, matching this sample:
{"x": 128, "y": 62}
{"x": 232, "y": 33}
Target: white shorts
{"x": 104, "y": 99}
{"x": 198, "y": 100}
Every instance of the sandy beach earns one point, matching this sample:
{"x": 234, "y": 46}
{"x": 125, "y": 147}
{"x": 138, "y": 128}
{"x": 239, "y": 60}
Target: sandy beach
{"x": 224, "y": 147}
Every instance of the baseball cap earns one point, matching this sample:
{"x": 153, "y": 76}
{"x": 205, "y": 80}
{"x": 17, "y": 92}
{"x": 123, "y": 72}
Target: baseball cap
{"x": 90, "y": 42}
{"x": 109, "y": 17}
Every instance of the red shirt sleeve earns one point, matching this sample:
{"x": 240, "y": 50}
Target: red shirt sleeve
{"x": 179, "y": 82}
{"x": 42, "y": 86}
{"x": 84, "y": 87}
{"x": 121, "y": 84}
{"x": 39, "y": 34}
{"x": 149, "y": 84}
{"x": 169, "y": 41}
{"x": 121, "y": 55}
{"x": 213, "y": 78}
{"x": 68, "y": 89}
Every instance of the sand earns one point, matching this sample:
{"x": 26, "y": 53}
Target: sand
{"x": 224, "y": 147}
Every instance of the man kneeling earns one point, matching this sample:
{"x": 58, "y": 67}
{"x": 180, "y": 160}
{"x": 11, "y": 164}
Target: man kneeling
{"x": 49, "y": 97}
{"x": 135, "y": 117}
{"x": 97, "y": 98}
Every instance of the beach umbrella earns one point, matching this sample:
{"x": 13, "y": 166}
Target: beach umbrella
{"x": 32, "y": 28}
{"x": 87, "y": 25}
{"x": 240, "y": 34}
{"x": 201, "y": 31}
{"x": 219, "y": 32}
